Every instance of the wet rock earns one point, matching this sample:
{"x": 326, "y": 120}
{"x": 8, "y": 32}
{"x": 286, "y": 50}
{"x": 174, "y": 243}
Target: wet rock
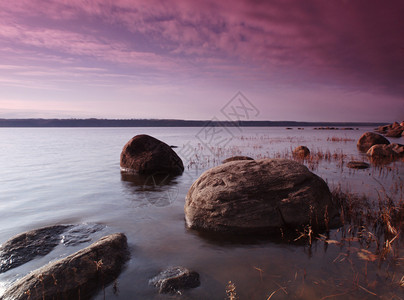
{"x": 358, "y": 165}
{"x": 28, "y": 245}
{"x": 259, "y": 196}
{"x": 144, "y": 154}
{"x": 369, "y": 139}
{"x": 391, "y": 151}
{"x": 38, "y": 242}
{"x": 301, "y": 151}
{"x": 233, "y": 158}
{"x": 78, "y": 276}
{"x": 81, "y": 233}
{"x": 175, "y": 279}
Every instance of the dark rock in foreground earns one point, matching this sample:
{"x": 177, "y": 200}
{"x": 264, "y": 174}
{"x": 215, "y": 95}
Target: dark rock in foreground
{"x": 234, "y": 158}
{"x": 28, "y": 245}
{"x": 175, "y": 279}
{"x": 301, "y": 151}
{"x": 78, "y": 276}
{"x": 368, "y": 139}
{"x": 358, "y": 165}
{"x": 144, "y": 154}
{"x": 24, "y": 247}
{"x": 259, "y": 196}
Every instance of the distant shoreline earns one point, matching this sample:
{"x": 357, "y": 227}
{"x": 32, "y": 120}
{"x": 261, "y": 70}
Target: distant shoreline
{"x": 171, "y": 123}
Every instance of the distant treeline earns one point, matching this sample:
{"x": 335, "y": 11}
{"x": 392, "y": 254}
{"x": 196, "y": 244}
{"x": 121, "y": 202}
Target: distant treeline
{"x": 167, "y": 123}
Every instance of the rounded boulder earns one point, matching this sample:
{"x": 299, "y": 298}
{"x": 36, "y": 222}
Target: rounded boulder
{"x": 259, "y": 196}
{"x": 368, "y": 139}
{"x": 144, "y": 154}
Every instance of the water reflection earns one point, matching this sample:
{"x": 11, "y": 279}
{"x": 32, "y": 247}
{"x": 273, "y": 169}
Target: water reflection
{"x": 286, "y": 237}
{"x": 157, "y": 189}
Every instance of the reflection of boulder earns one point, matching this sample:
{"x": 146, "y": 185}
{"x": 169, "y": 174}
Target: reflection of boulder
{"x": 259, "y": 196}
{"x": 159, "y": 189}
{"x": 142, "y": 181}
{"x": 144, "y": 154}
{"x": 234, "y": 158}
{"x": 301, "y": 151}
{"x": 357, "y": 165}
{"x": 369, "y": 139}
{"x": 78, "y": 276}
{"x": 175, "y": 279}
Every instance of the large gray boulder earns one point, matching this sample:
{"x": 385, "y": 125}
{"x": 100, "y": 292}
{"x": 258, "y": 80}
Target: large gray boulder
{"x": 144, "y": 154}
{"x": 78, "y": 276}
{"x": 259, "y": 196}
{"x": 368, "y": 139}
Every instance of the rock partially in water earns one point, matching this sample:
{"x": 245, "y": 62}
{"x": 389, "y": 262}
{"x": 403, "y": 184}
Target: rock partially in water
{"x": 395, "y": 132}
{"x": 392, "y": 151}
{"x": 301, "y": 151}
{"x": 28, "y": 245}
{"x": 358, "y": 165}
{"x": 175, "y": 279}
{"x": 392, "y": 130}
{"x": 78, "y": 276}
{"x": 368, "y": 139}
{"x": 81, "y": 233}
{"x": 259, "y": 196}
{"x": 38, "y": 242}
{"x": 144, "y": 154}
{"x": 234, "y": 158}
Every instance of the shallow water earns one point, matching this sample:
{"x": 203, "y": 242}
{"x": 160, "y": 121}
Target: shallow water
{"x": 71, "y": 176}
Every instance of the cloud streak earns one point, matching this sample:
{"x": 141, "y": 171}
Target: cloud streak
{"x": 351, "y": 45}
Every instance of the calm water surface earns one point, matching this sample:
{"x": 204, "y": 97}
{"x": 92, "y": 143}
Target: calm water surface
{"x": 71, "y": 176}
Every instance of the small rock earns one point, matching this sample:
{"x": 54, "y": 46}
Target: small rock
{"x": 78, "y": 276}
{"x": 175, "y": 279}
{"x": 358, "y": 165}
{"x": 369, "y": 139}
{"x": 301, "y": 151}
{"x": 144, "y": 154}
{"x": 234, "y": 158}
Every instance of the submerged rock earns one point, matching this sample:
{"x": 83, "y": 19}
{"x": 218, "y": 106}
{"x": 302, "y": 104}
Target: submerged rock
{"x": 259, "y": 196}
{"x": 175, "y": 279}
{"x": 78, "y": 276}
{"x": 144, "y": 154}
{"x": 26, "y": 246}
{"x": 234, "y": 158}
{"x": 358, "y": 165}
{"x": 368, "y": 139}
{"x": 301, "y": 151}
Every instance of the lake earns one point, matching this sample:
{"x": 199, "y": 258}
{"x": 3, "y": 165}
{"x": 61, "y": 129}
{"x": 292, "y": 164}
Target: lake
{"x": 72, "y": 176}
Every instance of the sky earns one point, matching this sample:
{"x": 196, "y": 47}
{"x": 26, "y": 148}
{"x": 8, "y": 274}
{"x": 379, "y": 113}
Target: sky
{"x": 311, "y": 60}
